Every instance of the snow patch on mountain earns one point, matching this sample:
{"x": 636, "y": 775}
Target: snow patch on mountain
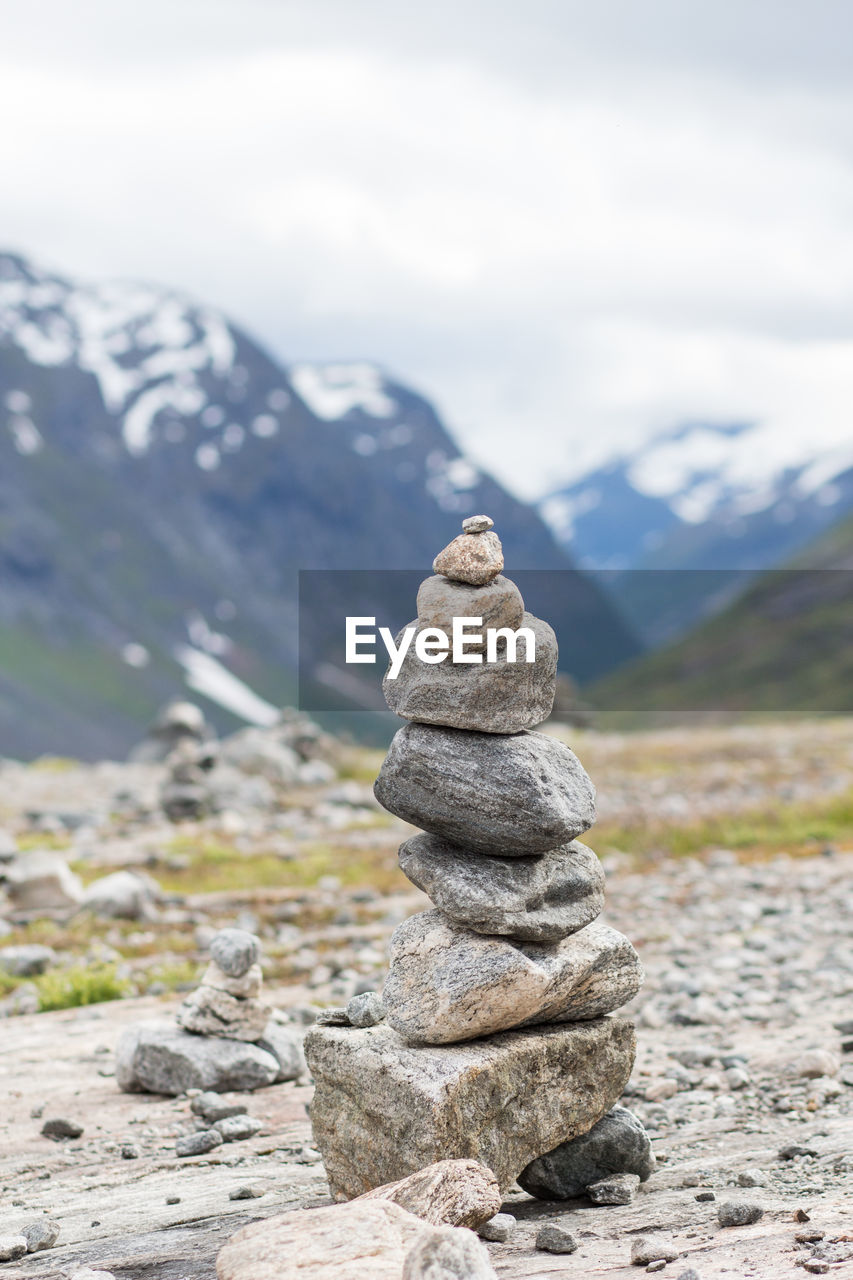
{"x": 331, "y": 391}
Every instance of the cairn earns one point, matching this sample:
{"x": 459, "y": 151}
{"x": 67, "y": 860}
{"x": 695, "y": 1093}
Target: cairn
{"x": 226, "y": 1002}
{"x": 496, "y": 1045}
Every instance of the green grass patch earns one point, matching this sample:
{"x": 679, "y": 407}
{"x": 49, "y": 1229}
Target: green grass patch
{"x": 217, "y": 866}
{"x": 79, "y": 985}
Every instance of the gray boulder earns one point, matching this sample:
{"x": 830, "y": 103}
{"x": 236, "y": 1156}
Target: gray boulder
{"x": 384, "y": 1109}
{"x": 493, "y": 793}
{"x": 617, "y": 1144}
{"x": 499, "y": 604}
{"x": 450, "y": 1253}
{"x": 42, "y": 881}
{"x": 539, "y": 898}
{"x": 446, "y": 984}
{"x": 490, "y": 697}
{"x": 157, "y": 1057}
{"x": 26, "y": 960}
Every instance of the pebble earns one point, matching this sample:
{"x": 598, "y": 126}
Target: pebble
{"x": 12, "y": 1247}
{"x": 704, "y": 1197}
{"x": 212, "y": 1107}
{"x": 59, "y": 1128}
{"x": 42, "y": 1234}
{"x": 130, "y": 1151}
{"x": 737, "y": 1078}
{"x": 795, "y": 1150}
{"x": 816, "y": 1267}
{"x": 750, "y": 1179}
{"x": 173, "y": 1199}
{"x": 689, "y": 1274}
{"x": 246, "y": 1193}
{"x": 477, "y": 524}
{"x": 658, "y": 1090}
{"x": 553, "y": 1239}
{"x": 198, "y": 1144}
{"x": 739, "y": 1213}
{"x": 499, "y": 1228}
{"x": 656, "y": 1266}
{"x": 647, "y": 1249}
{"x": 620, "y": 1188}
{"x": 237, "y": 1128}
{"x": 818, "y": 1062}
{"x": 366, "y": 1010}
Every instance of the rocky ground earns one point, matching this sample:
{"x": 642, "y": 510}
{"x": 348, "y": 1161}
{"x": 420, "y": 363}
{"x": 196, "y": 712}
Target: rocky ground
{"x": 729, "y": 855}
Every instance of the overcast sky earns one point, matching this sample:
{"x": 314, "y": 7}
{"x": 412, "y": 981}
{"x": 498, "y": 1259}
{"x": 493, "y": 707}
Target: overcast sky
{"x": 571, "y": 224}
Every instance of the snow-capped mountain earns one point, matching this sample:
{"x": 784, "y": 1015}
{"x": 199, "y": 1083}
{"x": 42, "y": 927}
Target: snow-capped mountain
{"x": 705, "y": 496}
{"x": 162, "y": 481}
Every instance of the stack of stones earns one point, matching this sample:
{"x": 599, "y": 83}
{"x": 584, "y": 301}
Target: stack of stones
{"x": 496, "y": 1044}
{"x": 227, "y": 1001}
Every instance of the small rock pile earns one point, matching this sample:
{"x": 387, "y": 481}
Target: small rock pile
{"x": 226, "y": 1037}
{"x": 495, "y": 1044}
{"x": 227, "y": 1001}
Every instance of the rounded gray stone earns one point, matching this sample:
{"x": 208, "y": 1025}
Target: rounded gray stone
{"x": 498, "y": 1229}
{"x": 285, "y": 1045}
{"x": 554, "y": 1239}
{"x": 446, "y": 984}
{"x": 617, "y": 1144}
{"x": 488, "y": 697}
{"x": 477, "y": 524}
{"x": 476, "y": 558}
{"x": 41, "y": 1234}
{"x": 538, "y": 898}
{"x": 158, "y": 1057}
{"x": 238, "y": 1128}
{"x": 448, "y": 1253}
{"x": 235, "y": 951}
{"x": 199, "y": 1143}
{"x": 510, "y": 795}
{"x": 739, "y": 1213}
{"x": 366, "y": 1010}
{"x": 499, "y": 603}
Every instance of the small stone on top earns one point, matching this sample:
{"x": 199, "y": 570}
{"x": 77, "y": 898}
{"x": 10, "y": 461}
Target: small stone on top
{"x": 477, "y": 524}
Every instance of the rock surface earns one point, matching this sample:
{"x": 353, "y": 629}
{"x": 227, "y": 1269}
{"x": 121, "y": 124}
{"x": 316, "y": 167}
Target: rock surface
{"x": 509, "y": 795}
{"x": 362, "y": 1241}
{"x": 539, "y": 898}
{"x": 383, "y": 1109}
{"x": 475, "y": 558}
{"x": 447, "y": 984}
{"x": 207, "y": 1011}
{"x": 157, "y": 1057}
{"x": 617, "y": 1144}
{"x": 499, "y": 604}
{"x": 285, "y": 1045}
{"x": 450, "y": 1193}
{"x": 489, "y": 697}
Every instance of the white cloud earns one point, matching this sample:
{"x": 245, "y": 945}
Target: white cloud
{"x": 565, "y": 261}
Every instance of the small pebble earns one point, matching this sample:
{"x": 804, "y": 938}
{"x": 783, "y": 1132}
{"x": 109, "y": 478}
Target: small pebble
{"x": 739, "y": 1213}
{"x": 173, "y": 1199}
{"x": 818, "y": 1062}
{"x": 238, "y": 1128}
{"x": 12, "y": 1247}
{"x": 59, "y": 1129}
{"x": 246, "y": 1193}
{"x": 130, "y": 1152}
{"x": 499, "y": 1228}
{"x": 737, "y": 1078}
{"x": 749, "y": 1179}
{"x": 809, "y": 1237}
{"x": 705, "y": 1197}
{"x": 553, "y": 1239}
{"x": 816, "y": 1266}
{"x": 198, "y": 1144}
{"x": 689, "y": 1274}
{"x": 366, "y": 1010}
{"x": 42, "y": 1234}
{"x": 793, "y": 1150}
{"x": 477, "y": 524}
{"x": 648, "y": 1249}
{"x": 656, "y": 1266}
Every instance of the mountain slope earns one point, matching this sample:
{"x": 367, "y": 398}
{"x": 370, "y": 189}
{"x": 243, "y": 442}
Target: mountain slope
{"x": 784, "y": 647}
{"x": 162, "y": 482}
{"x": 724, "y": 497}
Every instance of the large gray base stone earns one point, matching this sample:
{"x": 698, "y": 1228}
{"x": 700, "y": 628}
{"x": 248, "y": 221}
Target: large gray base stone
{"x": 384, "y": 1109}
{"x": 158, "y": 1057}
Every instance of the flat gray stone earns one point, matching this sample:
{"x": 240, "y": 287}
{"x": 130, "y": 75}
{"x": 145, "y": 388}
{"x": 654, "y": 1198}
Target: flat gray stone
{"x": 618, "y": 1188}
{"x": 617, "y": 1144}
{"x": 446, "y": 984}
{"x": 510, "y": 795}
{"x": 207, "y": 1011}
{"x": 238, "y": 1128}
{"x": 499, "y": 604}
{"x": 555, "y": 1239}
{"x": 13, "y": 1245}
{"x": 477, "y": 524}
{"x": 475, "y": 558}
{"x": 538, "y": 898}
{"x": 489, "y": 697}
{"x": 199, "y": 1143}
{"x": 498, "y": 1229}
{"x": 212, "y": 1108}
{"x": 41, "y": 1234}
{"x": 158, "y": 1057}
{"x": 365, "y": 1010}
{"x": 384, "y": 1109}
{"x": 26, "y": 960}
